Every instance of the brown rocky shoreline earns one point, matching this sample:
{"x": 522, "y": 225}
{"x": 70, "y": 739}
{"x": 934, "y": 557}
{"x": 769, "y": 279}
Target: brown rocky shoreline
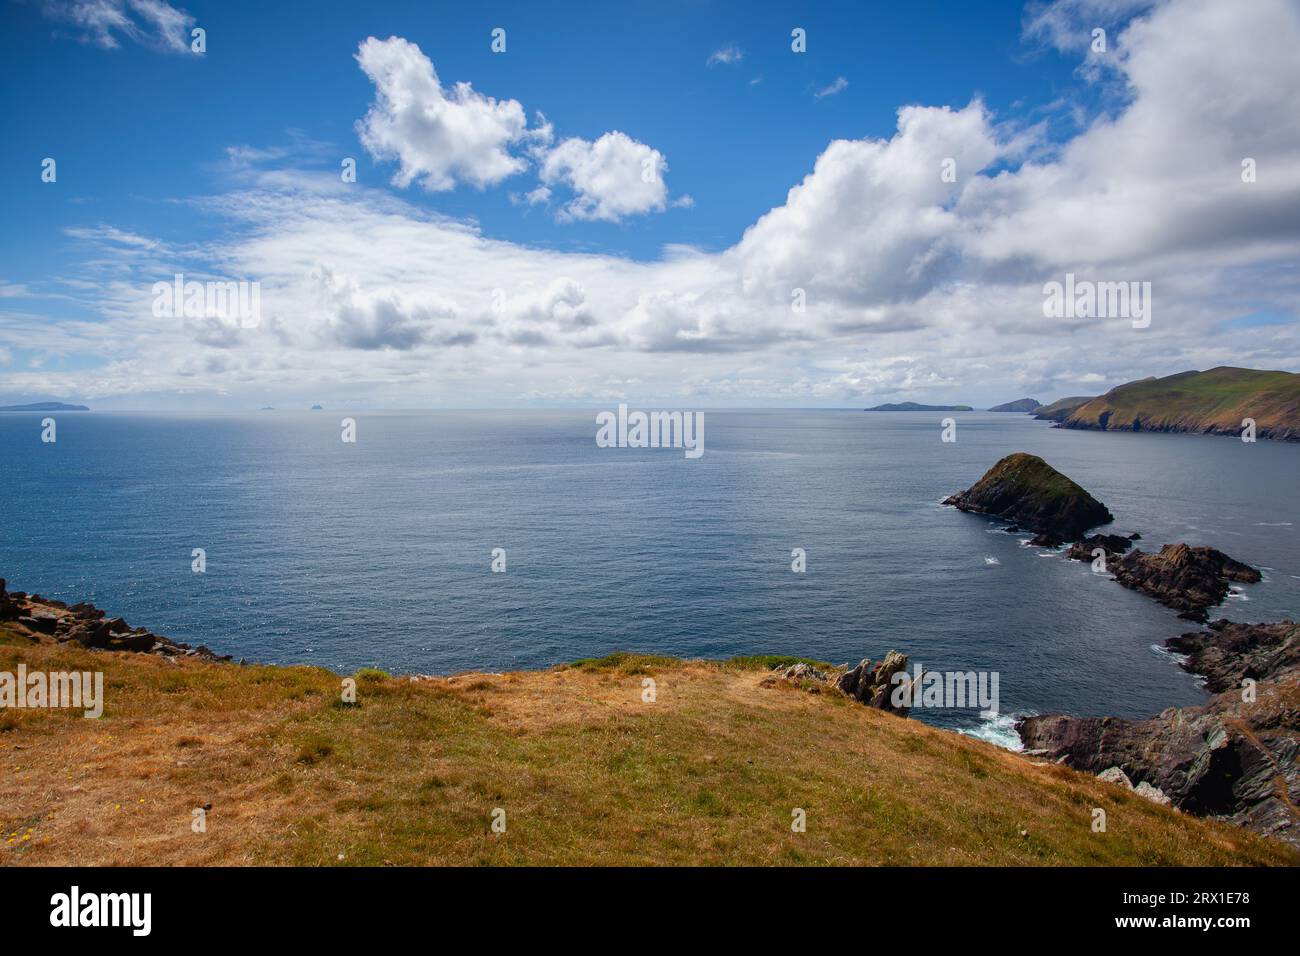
{"x": 1237, "y": 757}
{"x": 1234, "y": 758}
{"x": 47, "y": 620}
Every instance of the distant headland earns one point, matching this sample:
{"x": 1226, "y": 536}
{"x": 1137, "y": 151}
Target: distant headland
{"x": 914, "y": 407}
{"x": 1019, "y": 405}
{"x": 45, "y": 407}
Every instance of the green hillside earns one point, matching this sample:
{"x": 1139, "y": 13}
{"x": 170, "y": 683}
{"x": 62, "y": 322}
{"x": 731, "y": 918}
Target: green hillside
{"x": 1210, "y": 402}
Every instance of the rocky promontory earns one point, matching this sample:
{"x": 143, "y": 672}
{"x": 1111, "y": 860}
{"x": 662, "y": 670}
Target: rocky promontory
{"x": 45, "y": 620}
{"x": 1031, "y": 494}
{"x": 1235, "y": 758}
{"x": 1189, "y": 580}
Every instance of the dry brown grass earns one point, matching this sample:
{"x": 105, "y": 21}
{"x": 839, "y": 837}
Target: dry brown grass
{"x": 586, "y": 772}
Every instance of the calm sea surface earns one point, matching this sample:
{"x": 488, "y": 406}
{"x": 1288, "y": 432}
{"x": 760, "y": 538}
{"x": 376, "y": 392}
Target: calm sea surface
{"x": 378, "y": 553}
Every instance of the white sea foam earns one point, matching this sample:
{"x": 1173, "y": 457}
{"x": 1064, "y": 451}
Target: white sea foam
{"x": 999, "y": 729}
{"x": 1163, "y": 651}
{"x": 989, "y": 559}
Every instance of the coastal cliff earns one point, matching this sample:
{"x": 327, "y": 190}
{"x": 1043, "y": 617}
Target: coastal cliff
{"x": 1214, "y": 402}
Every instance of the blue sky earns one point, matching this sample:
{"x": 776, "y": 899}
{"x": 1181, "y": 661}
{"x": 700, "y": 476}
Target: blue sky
{"x": 133, "y": 129}
{"x": 226, "y": 164}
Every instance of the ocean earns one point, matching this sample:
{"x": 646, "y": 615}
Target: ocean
{"x": 380, "y": 552}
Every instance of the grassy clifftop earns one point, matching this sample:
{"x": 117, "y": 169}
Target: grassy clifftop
{"x": 584, "y": 768}
{"x": 1213, "y": 401}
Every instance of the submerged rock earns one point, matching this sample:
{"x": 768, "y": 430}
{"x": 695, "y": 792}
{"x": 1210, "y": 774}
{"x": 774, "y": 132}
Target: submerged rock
{"x": 1030, "y": 493}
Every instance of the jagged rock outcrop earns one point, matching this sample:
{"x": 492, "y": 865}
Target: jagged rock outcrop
{"x": 1187, "y": 579}
{"x": 875, "y": 686}
{"x": 1229, "y": 652}
{"x": 798, "y": 674}
{"x": 1031, "y": 494}
{"x": 1237, "y": 757}
{"x": 1113, "y": 544}
{"x": 45, "y": 620}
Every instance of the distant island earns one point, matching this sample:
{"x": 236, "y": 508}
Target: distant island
{"x": 1019, "y": 405}
{"x": 317, "y": 408}
{"x": 45, "y": 407}
{"x": 1214, "y": 402}
{"x": 914, "y": 407}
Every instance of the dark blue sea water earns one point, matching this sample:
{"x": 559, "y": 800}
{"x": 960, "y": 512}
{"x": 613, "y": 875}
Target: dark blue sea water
{"x": 378, "y": 553}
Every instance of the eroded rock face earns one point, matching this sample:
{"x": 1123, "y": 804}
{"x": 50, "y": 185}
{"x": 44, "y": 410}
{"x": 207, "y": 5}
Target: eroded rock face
{"x": 874, "y": 686}
{"x": 1187, "y": 579}
{"x": 1235, "y": 758}
{"x": 1030, "y": 493}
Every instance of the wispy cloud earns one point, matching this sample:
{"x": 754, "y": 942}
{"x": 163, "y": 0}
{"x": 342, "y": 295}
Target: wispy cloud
{"x": 838, "y": 86}
{"x": 150, "y": 23}
{"x": 726, "y": 54}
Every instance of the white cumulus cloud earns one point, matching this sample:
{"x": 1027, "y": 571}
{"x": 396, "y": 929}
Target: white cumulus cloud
{"x": 439, "y": 136}
{"x": 612, "y": 178}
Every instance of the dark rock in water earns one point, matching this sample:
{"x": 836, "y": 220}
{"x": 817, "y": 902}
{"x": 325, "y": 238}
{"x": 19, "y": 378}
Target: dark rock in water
{"x": 874, "y": 686}
{"x": 1030, "y": 493}
{"x": 1237, "y": 757}
{"x": 1112, "y": 544}
{"x": 1228, "y": 653}
{"x": 1187, "y": 579}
